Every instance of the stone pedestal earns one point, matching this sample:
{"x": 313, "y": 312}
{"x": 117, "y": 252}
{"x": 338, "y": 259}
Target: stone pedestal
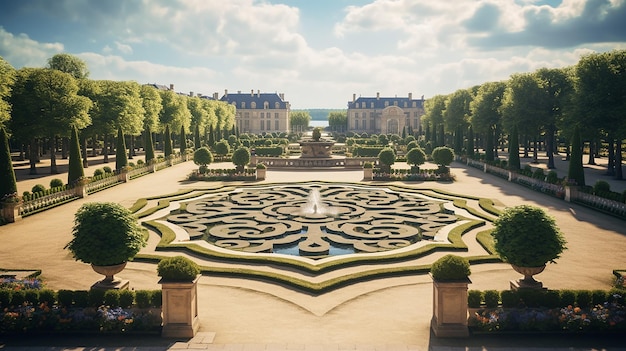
{"x": 571, "y": 192}
{"x": 180, "y": 309}
{"x": 11, "y": 211}
{"x": 450, "y": 309}
{"x": 110, "y": 282}
{"x": 368, "y": 173}
{"x": 260, "y": 173}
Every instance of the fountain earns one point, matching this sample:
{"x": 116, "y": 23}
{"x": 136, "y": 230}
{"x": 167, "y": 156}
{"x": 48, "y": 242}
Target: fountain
{"x": 315, "y": 208}
{"x": 316, "y": 147}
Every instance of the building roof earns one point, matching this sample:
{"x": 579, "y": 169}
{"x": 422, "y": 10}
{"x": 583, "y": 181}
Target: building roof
{"x": 383, "y": 102}
{"x": 258, "y": 98}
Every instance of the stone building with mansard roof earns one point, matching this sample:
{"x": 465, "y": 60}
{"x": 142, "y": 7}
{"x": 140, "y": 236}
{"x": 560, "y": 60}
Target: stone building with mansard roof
{"x": 259, "y": 112}
{"x": 384, "y": 115}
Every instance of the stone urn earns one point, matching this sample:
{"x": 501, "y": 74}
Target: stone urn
{"x": 11, "y": 210}
{"x": 528, "y": 281}
{"x": 110, "y": 282}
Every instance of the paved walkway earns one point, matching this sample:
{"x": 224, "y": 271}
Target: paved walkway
{"x": 388, "y": 314}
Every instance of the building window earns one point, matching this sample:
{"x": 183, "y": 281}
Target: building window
{"x": 371, "y": 115}
{"x": 364, "y": 124}
{"x": 262, "y": 125}
{"x": 277, "y": 105}
{"x": 414, "y": 104}
{"x": 415, "y": 124}
{"x": 266, "y": 105}
{"x": 395, "y": 103}
{"x": 253, "y": 104}
{"x": 405, "y": 104}
{"x": 386, "y": 103}
{"x": 246, "y": 125}
{"x": 356, "y": 115}
{"x": 262, "y": 114}
{"x": 356, "y": 124}
{"x": 371, "y": 105}
{"x": 363, "y": 114}
{"x": 276, "y": 125}
{"x": 372, "y": 124}
{"x": 275, "y": 115}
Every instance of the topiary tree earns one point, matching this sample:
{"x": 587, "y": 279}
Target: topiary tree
{"x": 183, "y": 141}
{"x": 222, "y": 148}
{"x": 168, "y": 150}
{"x": 121, "y": 159}
{"x": 196, "y": 138}
{"x": 576, "y": 170}
{"x": 105, "y": 234}
{"x": 202, "y": 157}
{"x": 241, "y": 157}
{"x": 415, "y": 157}
{"x": 75, "y": 170}
{"x": 149, "y": 146}
{"x": 470, "y": 142}
{"x": 8, "y": 184}
{"x": 411, "y": 145}
{"x": 443, "y": 156}
{"x": 450, "y": 268}
{"x": 526, "y": 237}
{"x": 387, "y": 157}
{"x": 178, "y": 268}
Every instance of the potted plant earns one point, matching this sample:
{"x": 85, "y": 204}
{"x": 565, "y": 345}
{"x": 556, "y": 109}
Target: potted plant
{"x": 450, "y": 279}
{"x": 107, "y": 236}
{"x": 179, "y": 282}
{"x": 527, "y": 238}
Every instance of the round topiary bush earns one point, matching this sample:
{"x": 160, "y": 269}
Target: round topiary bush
{"x": 56, "y": 183}
{"x": 601, "y": 186}
{"x": 450, "y": 268}
{"x": 105, "y": 234}
{"x": 178, "y": 268}
{"x": 38, "y": 188}
{"x": 525, "y": 236}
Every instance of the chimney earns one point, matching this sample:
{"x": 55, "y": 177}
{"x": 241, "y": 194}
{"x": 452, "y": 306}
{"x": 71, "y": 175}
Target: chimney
{"x": 171, "y": 86}
{"x": 216, "y": 96}
{"x": 252, "y": 92}
{"x": 353, "y": 97}
{"x": 191, "y": 93}
{"x": 199, "y": 94}
{"x": 282, "y": 96}
{"x": 377, "y": 96}
{"x": 410, "y": 96}
{"x": 258, "y": 93}
{"x": 225, "y": 92}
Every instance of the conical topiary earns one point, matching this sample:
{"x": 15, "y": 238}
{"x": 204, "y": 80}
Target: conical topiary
{"x": 8, "y": 185}
{"x": 576, "y": 171}
{"x": 183, "y": 141}
{"x": 75, "y": 171}
{"x": 121, "y": 159}
{"x": 196, "y": 138}
{"x": 514, "y": 162}
{"x": 149, "y": 146}
{"x": 168, "y": 141}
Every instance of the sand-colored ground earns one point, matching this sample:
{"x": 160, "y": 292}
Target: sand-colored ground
{"x": 393, "y": 311}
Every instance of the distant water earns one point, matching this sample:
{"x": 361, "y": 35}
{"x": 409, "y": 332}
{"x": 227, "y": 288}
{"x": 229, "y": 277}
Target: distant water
{"x": 317, "y": 123}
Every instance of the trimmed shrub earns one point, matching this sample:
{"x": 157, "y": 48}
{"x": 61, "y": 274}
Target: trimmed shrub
{"x": 474, "y": 298}
{"x": 18, "y": 297}
{"x": 38, "y": 188}
{"x": 568, "y": 297}
{"x": 510, "y": 299}
{"x": 178, "y": 268}
{"x": 112, "y": 298}
{"x": 96, "y": 297}
{"x": 450, "y": 268}
{"x": 107, "y": 169}
{"x": 127, "y": 297}
{"x": 142, "y": 298}
{"x": 98, "y": 172}
{"x": 65, "y": 297}
{"x": 56, "y": 182}
{"x": 31, "y": 296}
{"x": 5, "y": 297}
{"x": 492, "y": 298}
{"x": 601, "y": 186}
{"x": 583, "y": 298}
{"x": 552, "y": 299}
{"x": 552, "y": 177}
{"x": 598, "y": 297}
{"x": 47, "y": 296}
{"x": 81, "y": 298}
{"x": 156, "y": 299}
{"x": 538, "y": 174}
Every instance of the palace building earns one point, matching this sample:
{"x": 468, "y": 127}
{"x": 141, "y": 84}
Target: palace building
{"x": 259, "y": 112}
{"x": 384, "y": 115}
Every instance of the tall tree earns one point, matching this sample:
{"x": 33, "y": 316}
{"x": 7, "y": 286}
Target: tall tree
{"x": 183, "y": 141}
{"x": 174, "y": 112}
{"x": 149, "y": 146}
{"x": 456, "y": 116}
{"x": 433, "y": 114}
{"x": 196, "y": 138}
{"x": 514, "y": 163}
{"x": 7, "y": 79}
{"x": 47, "y": 104}
{"x": 486, "y": 113}
{"x": 69, "y": 64}
{"x": 299, "y": 120}
{"x": 8, "y": 185}
{"x": 75, "y": 171}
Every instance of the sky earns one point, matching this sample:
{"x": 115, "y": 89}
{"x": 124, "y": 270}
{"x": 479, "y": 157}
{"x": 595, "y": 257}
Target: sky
{"x": 317, "y": 53}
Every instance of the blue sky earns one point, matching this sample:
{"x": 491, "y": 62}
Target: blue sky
{"x": 318, "y": 53}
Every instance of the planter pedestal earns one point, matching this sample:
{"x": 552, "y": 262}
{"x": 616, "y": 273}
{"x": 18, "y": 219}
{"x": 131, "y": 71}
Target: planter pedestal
{"x": 528, "y": 282}
{"x": 260, "y": 173}
{"x": 368, "y": 173}
{"x": 11, "y": 211}
{"x": 110, "y": 282}
{"x": 180, "y": 309}
{"x": 450, "y": 309}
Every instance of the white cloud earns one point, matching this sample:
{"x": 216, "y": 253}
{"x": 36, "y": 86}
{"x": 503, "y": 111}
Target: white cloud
{"x": 123, "y": 48}
{"x": 20, "y": 50}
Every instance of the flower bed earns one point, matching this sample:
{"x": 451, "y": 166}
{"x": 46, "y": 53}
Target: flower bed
{"x": 407, "y": 175}
{"x": 27, "y": 308}
{"x": 522, "y": 313}
{"x": 223, "y": 175}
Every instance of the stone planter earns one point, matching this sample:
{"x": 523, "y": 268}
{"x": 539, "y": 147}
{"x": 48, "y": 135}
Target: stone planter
{"x": 260, "y": 173}
{"x": 528, "y": 282}
{"x": 450, "y": 309}
{"x": 368, "y": 173}
{"x": 11, "y": 211}
{"x": 110, "y": 282}
{"x": 180, "y": 309}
